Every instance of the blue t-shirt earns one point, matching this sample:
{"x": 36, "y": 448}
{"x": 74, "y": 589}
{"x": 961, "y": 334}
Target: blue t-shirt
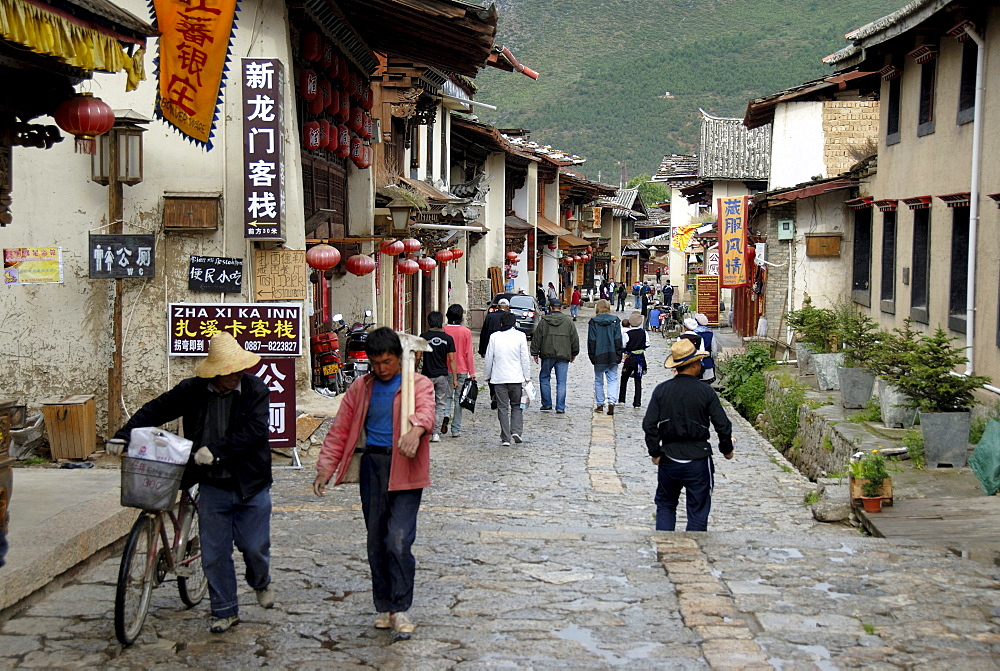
{"x": 378, "y": 424}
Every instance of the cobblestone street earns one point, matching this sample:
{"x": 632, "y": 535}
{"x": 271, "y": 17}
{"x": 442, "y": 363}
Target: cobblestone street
{"x": 543, "y": 555}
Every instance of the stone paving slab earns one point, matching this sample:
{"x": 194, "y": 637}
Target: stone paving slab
{"x": 527, "y": 560}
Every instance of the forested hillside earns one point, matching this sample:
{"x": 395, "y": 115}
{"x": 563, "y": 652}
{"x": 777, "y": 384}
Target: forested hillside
{"x": 622, "y": 80}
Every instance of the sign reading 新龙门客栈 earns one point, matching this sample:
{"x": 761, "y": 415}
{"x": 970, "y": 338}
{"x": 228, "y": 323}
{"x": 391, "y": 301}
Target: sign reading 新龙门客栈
{"x": 272, "y": 329}
{"x": 732, "y": 213}
{"x": 263, "y": 203}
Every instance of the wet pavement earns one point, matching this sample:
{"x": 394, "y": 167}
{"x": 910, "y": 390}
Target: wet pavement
{"x": 543, "y": 555}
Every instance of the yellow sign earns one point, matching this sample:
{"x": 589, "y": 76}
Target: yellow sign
{"x": 194, "y": 45}
{"x": 683, "y": 235}
{"x": 279, "y": 275}
{"x": 32, "y": 265}
{"x": 733, "y": 240}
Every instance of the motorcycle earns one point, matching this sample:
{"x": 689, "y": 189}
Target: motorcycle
{"x": 328, "y": 371}
{"x": 356, "y": 362}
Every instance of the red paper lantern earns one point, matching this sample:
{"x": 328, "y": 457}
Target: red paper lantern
{"x": 391, "y": 247}
{"x": 327, "y": 58}
{"x": 456, "y": 254}
{"x": 312, "y": 46}
{"x": 325, "y": 134}
{"x": 368, "y": 98}
{"x": 357, "y": 151}
{"x": 344, "y": 112}
{"x": 357, "y": 119}
{"x": 427, "y": 264}
{"x": 589, "y": 249}
{"x": 407, "y": 266}
{"x": 353, "y": 85}
{"x": 315, "y": 106}
{"x": 411, "y": 245}
{"x": 343, "y": 149}
{"x": 343, "y": 70}
{"x": 444, "y": 256}
{"x": 553, "y": 246}
{"x": 308, "y": 85}
{"x": 310, "y": 135}
{"x": 333, "y": 105}
{"x": 86, "y": 117}
{"x": 333, "y": 70}
{"x": 325, "y": 92}
{"x": 511, "y": 255}
{"x": 366, "y": 158}
{"x": 322, "y": 257}
{"x": 359, "y": 265}
{"x": 367, "y": 126}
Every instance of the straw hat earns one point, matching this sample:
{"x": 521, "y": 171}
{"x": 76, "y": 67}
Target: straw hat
{"x": 682, "y": 353}
{"x": 635, "y": 319}
{"x": 225, "y": 356}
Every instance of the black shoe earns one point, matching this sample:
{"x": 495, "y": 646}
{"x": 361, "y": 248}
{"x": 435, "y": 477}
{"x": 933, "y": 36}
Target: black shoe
{"x": 493, "y": 405}
{"x": 560, "y": 412}
{"x": 611, "y": 408}
{"x": 545, "y": 407}
{"x": 444, "y": 426}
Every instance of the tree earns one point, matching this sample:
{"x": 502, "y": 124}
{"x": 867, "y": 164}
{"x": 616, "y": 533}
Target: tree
{"x": 651, "y": 192}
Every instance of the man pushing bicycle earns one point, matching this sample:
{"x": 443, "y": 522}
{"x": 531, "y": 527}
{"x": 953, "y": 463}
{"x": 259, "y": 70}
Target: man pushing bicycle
{"x": 224, "y": 410}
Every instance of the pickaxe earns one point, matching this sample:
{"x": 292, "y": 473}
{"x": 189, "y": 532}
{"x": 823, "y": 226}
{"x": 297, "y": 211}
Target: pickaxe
{"x": 411, "y": 344}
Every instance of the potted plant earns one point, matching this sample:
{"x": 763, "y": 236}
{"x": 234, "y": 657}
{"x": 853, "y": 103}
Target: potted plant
{"x": 857, "y": 471}
{"x": 874, "y": 475}
{"x": 859, "y": 335}
{"x": 816, "y": 328}
{"x": 890, "y": 362}
{"x": 943, "y": 398}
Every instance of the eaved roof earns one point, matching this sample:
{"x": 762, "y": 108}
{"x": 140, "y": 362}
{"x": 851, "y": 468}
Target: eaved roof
{"x": 884, "y": 29}
{"x": 545, "y": 151}
{"x": 677, "y": 166}
{"x": 625, "y": 202}
{"x": 731, "y": 151}
{"x": 761, "y": 110}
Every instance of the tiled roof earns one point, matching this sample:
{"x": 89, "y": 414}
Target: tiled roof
{"x": 760, "y": 111}
{"x": 626, "y": 202}
{"x": 656, "y": 217}
{"x": 730, "y": 150}
{"x": 546, "y": 151}
{"x": 887, "y": 27}
{"x": 677, "y": 166}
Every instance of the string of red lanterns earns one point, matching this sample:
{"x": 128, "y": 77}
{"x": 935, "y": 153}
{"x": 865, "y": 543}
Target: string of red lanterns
{"x": 407, "y": 266}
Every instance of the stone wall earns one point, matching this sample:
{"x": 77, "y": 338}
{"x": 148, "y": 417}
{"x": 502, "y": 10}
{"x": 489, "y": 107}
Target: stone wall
{"x": 847, "y": 125}
{"x": 479, "y": 294}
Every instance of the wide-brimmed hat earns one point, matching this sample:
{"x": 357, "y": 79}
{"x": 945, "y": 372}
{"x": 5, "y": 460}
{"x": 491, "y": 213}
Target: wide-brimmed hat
{"x": 702, "y": 319}
{"x": 635, "y": 319}
{"x": 690, "y": 323}
{"x": 225, "y": 356}
{"x": 682, "y": 353}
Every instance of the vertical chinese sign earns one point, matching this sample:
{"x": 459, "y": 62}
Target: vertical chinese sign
{"x": 263, "y": 178}
{"x": 733, "y": 240}
{"x": 279, "y": 376}
{"x": 707, "y": 289}
{"x": 194, "y": 48}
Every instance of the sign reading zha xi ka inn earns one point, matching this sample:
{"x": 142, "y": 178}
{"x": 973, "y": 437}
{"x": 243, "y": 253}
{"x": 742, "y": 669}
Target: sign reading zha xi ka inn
{"x": 268, "y": 329}
{"x": 263, "y": 204}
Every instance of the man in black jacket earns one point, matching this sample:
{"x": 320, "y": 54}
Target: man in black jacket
{"x": 224, "y": 411}
{"x": 491, "y": 324}
{"x": 676, "y": 428}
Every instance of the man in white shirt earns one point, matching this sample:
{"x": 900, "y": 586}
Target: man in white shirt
{"x": 507, "y": 365}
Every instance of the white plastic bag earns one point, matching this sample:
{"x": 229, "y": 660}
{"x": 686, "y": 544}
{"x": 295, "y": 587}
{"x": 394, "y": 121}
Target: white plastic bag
{"x": 527, "y": 393}
{"x": 151, "y": 443}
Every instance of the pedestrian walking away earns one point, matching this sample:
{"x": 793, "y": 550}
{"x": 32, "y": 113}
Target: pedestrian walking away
{"x": 540, "y": 296}
{"x": 676, "y": 432}
{"x": 490, "y": 326}
{"x": 551, "y": 294}
{"x": 465, "y": 366}
{"x": 439, "y": 367}
{"x": 393, "y": 471}
{"x": 604, "y": 347}
{"x": 575, "y": 302}
{"x": 636, "y": 341}
{"x": 622, "y": 292}
{"x": 507, "y": 366}
{"x": 710, "y": 344}
{"x": 557, "y": 343}
{"x": 224, "y": 410}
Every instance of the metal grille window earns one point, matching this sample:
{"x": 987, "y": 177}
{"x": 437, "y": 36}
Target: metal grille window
{"x": 862, "y": 271}
{"x": 928, "y": 84}
{"x": 967, "y": 84}
{"x": 888, "y": 284}
{"x": 892, "y": 113}
{"x": 919, "y": 275}
{"x": 959, "y": 269}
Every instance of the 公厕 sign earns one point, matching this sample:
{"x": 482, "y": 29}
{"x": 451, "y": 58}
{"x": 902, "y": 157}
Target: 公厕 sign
{"x": 271, "y": 329}
{"x": 279, "y": 376}
{"x": 113, "y": 256}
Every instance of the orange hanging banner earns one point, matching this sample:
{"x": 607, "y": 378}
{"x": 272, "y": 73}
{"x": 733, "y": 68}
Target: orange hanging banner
{"x": 732, "y": 225}
{"x": 194, "y": 50}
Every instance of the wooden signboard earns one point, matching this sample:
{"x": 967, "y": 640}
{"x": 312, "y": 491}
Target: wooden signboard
{"x": 707, "y": 288}
{"x": 280, "y": 275}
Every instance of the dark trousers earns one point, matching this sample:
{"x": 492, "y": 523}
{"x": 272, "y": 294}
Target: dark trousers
{"x": 391, "y": 520}
{"x": 629, "y": 370}
{"x": 697, "y": 479}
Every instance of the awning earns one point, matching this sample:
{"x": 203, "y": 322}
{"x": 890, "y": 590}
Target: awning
{"x": 514, "y": 223}
{"x": 426, "y": 190}
{"x": 550, "y": 227}
{"x": 572, "y": 241}
{"x": 816, "y": 189}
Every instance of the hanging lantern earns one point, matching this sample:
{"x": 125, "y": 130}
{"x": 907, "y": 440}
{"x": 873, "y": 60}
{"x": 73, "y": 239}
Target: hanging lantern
{"x": 444, "y": 256}
{"x": 367, "y": 126}
{"x": 357, "y": 151}
{"x": 511, "y": 255}
{"x": 553, "y": 246}
{"x": 344, "y": 112}
{"x": 322, "y": 257}
{"x": 411, "y": 245}
{"x": 325, "y": 135}
{"x": 343, "y": 149}
{"x": 315, "y": 106}
{"x": 86, "y": 117}
{"x": 366, "y": 157}
{"x": 325, "y": 92}
{"x": 353, "y": 86}
{"x": 368, "y": 98}
{"x": 357, "y": 119}
{"x": 407, "y": 266}
{"x": 343, "y": 70}
{"x": 333, "y": 103}
{"x": 456, "y": 254}
{"x": 308, "y": 85}
{"x": 327, "y": 58}
{"x": 391, "y": 247}
{"x": 312, "y": 46}
{"x": 427, "y": 264}
{"x": 333, "y": 70}
{"x": 589, "y": 249}
{"x": 359, "y": 265}
{"x": 310, "y": 135}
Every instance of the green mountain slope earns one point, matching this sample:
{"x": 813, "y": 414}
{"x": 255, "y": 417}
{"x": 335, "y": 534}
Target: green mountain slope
{"x": 607, "y": 65}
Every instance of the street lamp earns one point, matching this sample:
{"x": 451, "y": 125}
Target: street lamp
{"x": 399, "y": 210}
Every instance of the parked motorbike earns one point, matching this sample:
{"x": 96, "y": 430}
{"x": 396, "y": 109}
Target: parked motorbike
{"x": 328, "y": 371}
{"x": 356, "y": 361}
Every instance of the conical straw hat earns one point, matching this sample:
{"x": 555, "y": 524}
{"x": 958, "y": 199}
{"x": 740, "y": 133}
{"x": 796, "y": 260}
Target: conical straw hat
{"x": 225, "y": 356}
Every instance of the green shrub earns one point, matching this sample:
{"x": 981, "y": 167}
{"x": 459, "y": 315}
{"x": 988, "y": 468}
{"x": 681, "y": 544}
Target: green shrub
{"x": 914, "y": 441}
{"x": 872, "y": 412}
{"x": 781, "y": 418}
{"x": 742, "y": 377}
{"x": 874, "y": 472}
{"x": 859, "y": 334}
{"x": 929, "y": 380}
{"x": 816, "y": 327}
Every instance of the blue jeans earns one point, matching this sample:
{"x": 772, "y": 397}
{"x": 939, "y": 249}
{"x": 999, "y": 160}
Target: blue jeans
{"x": 391, "y": 520}
{"x": 224, "y": 519}
{"x": 574, "y": 310}
{"x": 545, "y": 382}
{"x": 609, "y": 372}
{"x": 452, "y": 407}
{"x": 697, "y": 479}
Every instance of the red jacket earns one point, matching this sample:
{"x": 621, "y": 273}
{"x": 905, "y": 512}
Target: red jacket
{"x": 404, "y": 472}
{"x": 577, "y": 299}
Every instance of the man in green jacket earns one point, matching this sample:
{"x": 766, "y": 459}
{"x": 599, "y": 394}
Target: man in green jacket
{"x": 605, "y": 349}
{"x": 555, "y": 340}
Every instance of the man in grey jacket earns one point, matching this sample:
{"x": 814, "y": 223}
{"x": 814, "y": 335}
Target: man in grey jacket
{"x": 604, "y": 347}
{"x": 557, "y": 343}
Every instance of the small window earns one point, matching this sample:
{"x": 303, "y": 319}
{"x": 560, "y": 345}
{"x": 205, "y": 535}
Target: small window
{"x": 888, "y": 284}
{"x": 928, "y": 83}
{"x": 892, "y": 113}
{"x": 919, "y": 278}
{"x": 967, "y": 85}
{"x": 959, "y": 269}
{"x": 862, "y": 271}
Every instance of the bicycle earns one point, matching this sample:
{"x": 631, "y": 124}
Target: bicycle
{"x": 148, "y": 558}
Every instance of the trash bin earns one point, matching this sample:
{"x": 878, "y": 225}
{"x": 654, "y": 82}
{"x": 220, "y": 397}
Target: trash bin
{"x": 72, "y": 427}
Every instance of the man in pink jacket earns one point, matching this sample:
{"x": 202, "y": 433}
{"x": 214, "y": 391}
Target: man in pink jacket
{"x": 394, "y": 469}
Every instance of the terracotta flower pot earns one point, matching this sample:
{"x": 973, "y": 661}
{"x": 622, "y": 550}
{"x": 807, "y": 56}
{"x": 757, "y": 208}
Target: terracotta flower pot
{"x": 872, "y": 504}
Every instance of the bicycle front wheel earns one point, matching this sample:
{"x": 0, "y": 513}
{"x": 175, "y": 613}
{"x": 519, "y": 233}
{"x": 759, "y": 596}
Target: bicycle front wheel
{"x": 191, "y": 580}
{"x": 135, "y": 580}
